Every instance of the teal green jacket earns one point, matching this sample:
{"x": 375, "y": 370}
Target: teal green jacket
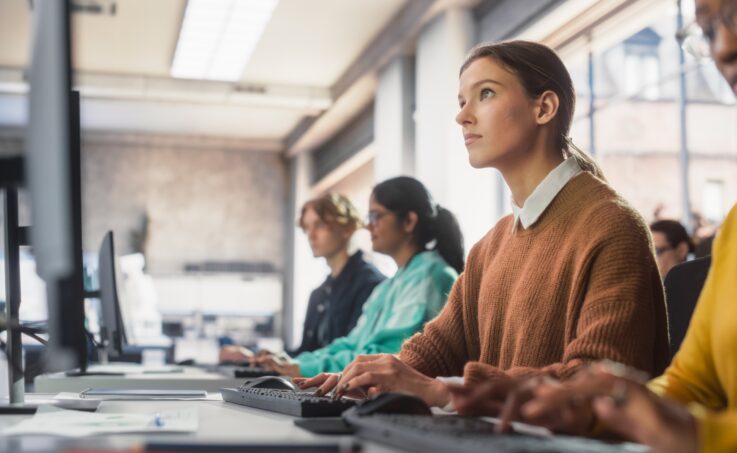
{"x": 397, "y": 308}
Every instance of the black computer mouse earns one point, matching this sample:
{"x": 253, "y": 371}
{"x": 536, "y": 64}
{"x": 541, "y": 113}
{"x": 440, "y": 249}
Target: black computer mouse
{"x": 270, "y": 382}
{"x": 393, "y": 403}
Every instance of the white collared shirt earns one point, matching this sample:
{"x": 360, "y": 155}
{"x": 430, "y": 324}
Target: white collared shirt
{"x": 544, "y": 193}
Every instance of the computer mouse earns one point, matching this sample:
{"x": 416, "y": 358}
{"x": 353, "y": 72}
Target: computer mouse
{"x": 186, "y": 362}
{"x": 270, "y": 382}
{"x": 393, "y": 403}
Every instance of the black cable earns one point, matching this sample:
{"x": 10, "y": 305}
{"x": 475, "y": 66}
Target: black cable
{"x": 92, "y": 339}
{"x": 12, "y": 363}
{"x": 33, "y": 335}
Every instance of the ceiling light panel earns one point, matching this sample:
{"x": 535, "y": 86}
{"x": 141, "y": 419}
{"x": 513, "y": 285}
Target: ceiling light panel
{"x": 218, "y": 37}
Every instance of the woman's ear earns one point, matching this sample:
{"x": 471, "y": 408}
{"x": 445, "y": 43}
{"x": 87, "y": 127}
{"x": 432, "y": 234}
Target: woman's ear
{"x": 682, "y": 250}
{"x": 410, "y": 222}
{"x": 547, "y": 107}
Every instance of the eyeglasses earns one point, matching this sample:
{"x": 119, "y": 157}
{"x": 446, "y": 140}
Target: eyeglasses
{"x": 660, "y": 250}
{"x": 374, "y": 216}
{"x": 697, "y": 38}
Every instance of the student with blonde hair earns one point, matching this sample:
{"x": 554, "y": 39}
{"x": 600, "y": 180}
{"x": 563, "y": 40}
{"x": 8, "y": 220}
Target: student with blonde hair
{"x": 329, "y": 222}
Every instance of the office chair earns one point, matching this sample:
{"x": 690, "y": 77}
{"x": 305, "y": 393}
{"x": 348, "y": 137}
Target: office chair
{"x": 682, "y": 288}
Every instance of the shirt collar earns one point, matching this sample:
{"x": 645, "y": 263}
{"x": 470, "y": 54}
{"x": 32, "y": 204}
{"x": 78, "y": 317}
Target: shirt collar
{"x": 544, "y": 193}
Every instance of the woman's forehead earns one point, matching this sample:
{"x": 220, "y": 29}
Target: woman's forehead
{"x": 484, "y": 69}
{"x": 707, "y": 7}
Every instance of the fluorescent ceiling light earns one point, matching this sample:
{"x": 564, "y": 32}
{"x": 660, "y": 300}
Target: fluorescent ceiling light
{"x": 218, "y": 37}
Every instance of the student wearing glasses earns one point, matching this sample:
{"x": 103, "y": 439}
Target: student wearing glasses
{"x": 692, "y": 407}
{"x": 569, "y": 277}
{"x": 672, "y": 244}
{"x": 425, "y": 242}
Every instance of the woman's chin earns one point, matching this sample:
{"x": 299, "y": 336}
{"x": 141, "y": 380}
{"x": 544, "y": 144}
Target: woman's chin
{"x": 477, "y": 161}
{"x": 377, "y": 248}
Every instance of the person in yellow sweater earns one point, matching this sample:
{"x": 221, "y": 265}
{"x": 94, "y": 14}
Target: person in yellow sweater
{"x": 566, "y": 279}
{"x": 692, "y": 407}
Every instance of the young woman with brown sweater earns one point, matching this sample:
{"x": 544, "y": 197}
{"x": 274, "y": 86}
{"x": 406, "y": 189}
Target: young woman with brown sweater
{"x": 568, "y": 278}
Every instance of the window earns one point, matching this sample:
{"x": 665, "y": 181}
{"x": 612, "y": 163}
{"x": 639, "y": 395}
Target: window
{"x": 642, "y": 65}
{"x": 713, "y": 201}
{"x": 636, "y": 122}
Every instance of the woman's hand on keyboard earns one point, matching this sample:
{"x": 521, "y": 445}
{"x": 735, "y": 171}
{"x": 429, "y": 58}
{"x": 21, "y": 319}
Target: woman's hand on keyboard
{"x": 235, "y": 354}
{"x": 618, "y": 397}
{"x": 326, "y": 384}
{"x": 381, "y": 373}
{"x": 278, "y": 363}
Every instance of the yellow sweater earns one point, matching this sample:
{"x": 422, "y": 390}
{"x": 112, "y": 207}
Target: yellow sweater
{"x": 703, "y": 373}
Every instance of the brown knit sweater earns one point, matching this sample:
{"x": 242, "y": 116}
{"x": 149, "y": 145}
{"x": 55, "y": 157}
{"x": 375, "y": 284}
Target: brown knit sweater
{"x": 579, "y": 285}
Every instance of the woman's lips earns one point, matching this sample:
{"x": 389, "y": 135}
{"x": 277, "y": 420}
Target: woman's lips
{"x": 470, "y": 138}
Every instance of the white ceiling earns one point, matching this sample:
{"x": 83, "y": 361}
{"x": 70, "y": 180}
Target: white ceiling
{"x": 305, "y": 49}
{"x": 140, "y": 38}
{"x": 312, "y": 42}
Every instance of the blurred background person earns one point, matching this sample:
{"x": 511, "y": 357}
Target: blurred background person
{"x": 672, "y": 243}
{"x": 334, "y": 307}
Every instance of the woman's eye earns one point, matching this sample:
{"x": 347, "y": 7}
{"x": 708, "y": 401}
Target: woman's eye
{"x": 486, "y": 93}
{"x": 710, "y": 31}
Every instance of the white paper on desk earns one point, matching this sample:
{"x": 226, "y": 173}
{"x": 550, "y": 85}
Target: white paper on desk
{"x": 133, "y": 395}
{"x": 52, "y": 420}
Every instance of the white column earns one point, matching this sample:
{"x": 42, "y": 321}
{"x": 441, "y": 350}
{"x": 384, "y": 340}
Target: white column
{"x": 394, "y": 129}
{"x": 441, "y": 160}
{"x": 302, "y": 272}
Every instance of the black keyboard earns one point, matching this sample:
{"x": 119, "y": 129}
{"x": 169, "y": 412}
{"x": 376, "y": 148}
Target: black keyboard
{"x": 299, "y": 404}
{"x": 238, "y": 371}
{"x": 428, "y": 434}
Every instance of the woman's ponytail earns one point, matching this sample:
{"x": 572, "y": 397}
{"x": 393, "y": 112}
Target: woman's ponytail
{"x": 449, "y": 238}
{"x": 585, "y": 161}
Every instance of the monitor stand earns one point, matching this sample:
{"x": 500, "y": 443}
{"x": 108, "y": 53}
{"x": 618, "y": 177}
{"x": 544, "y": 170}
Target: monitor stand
{"x": 15, "y": 236}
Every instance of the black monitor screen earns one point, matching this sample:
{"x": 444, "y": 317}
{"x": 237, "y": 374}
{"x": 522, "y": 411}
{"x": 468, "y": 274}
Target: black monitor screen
{"x": 112, "y": 332}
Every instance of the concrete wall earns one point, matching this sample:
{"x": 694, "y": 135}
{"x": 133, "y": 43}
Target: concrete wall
{"x": 206, "y": 199}
{"x": 203, "y": 200}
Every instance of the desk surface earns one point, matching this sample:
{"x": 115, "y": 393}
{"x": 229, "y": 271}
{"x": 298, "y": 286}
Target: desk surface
{"x": 219, "y": 422}
{"x": 189, "y": 378}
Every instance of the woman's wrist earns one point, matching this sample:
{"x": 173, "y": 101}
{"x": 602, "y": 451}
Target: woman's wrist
{"x": 437, "y": 395}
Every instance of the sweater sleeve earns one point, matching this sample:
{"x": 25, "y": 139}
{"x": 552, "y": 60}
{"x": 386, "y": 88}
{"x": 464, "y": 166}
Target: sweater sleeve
{"x": 620, "y": 314}
{"x": 716, "y": 431}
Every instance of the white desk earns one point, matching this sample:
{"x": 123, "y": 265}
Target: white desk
{"x": 219, "y": 422}
{"x": 189, "y": 378}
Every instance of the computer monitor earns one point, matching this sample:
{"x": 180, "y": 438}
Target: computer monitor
{"x": 53, "y": 176}
{"x": 112, "y": 329}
